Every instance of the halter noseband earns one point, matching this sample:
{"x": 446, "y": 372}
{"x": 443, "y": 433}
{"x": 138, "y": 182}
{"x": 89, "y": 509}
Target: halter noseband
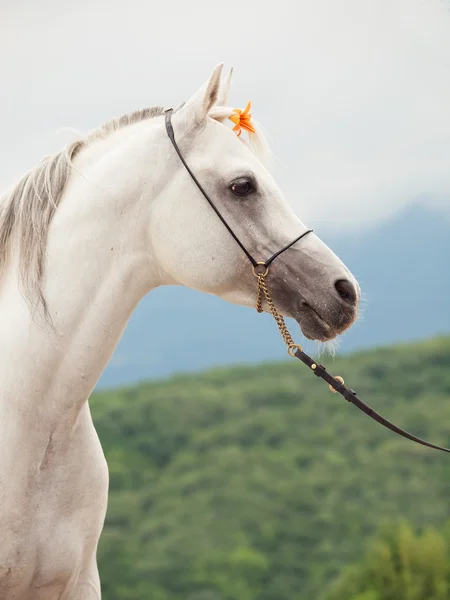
{"x": 260, "y": 271}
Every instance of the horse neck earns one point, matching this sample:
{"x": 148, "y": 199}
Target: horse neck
{"x": 98, "y": 267}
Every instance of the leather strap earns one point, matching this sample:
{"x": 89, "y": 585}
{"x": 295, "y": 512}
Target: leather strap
{"x": 350, "y": 396}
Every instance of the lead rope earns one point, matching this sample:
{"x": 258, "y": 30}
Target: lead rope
{"x": 336, "y": 383}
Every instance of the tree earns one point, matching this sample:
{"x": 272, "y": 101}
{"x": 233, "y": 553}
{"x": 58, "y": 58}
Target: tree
{"x": 399, "y": 565}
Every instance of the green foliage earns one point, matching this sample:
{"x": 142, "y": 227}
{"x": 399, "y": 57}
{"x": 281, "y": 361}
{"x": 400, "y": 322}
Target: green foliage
{"x": 258, "y": 483}
{"x": 399, "y": 565}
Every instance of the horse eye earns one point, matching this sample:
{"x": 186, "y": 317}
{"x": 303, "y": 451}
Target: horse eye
{"x": 241, "y": 187}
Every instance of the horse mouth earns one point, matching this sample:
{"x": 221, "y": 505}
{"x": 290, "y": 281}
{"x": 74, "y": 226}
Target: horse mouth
{"x": 313, "y": 326}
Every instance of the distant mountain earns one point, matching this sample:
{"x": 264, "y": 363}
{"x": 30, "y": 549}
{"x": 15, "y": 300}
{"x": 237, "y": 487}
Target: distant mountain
{"x": 403, "y": 268}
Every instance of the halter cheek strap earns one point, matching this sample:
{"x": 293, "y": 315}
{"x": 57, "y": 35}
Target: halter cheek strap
{"x": 254, "y": 262}
{"x": 260, "y": 271}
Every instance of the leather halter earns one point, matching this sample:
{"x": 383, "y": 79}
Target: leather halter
{"x": 336, "y": 383}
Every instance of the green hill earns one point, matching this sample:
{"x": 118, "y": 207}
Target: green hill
{"x": 258, "y": 483}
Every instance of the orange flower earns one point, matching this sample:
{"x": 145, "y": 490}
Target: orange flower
{"x": 242, "y": 119}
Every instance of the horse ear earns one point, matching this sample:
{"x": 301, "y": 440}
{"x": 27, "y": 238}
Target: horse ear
{"x": 225, "y": 89}
{"x": 197, "y": 108}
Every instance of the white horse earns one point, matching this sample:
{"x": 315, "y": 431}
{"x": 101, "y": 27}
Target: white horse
{"x": 83, "y": 237}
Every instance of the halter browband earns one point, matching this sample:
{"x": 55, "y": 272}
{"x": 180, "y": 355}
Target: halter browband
{"x": 336, "y": 383}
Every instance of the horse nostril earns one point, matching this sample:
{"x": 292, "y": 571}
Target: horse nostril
{"x": 346, "y": 290}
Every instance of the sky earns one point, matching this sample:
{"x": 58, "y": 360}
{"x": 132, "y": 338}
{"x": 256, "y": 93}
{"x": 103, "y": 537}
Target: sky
{"x": 354, "y": 95}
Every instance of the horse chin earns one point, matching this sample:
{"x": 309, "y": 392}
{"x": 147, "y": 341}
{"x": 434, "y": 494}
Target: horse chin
{"x": 313, "y": 326}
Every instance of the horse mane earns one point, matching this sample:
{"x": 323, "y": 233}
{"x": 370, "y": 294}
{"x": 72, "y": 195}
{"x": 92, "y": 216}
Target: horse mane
{"x": 28, "y": 208}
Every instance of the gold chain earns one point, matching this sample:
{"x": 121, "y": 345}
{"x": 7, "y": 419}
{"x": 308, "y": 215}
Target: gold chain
{"x": 263, "y": 291}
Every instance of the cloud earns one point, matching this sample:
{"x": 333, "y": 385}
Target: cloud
{"x": 355, "y": 94}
